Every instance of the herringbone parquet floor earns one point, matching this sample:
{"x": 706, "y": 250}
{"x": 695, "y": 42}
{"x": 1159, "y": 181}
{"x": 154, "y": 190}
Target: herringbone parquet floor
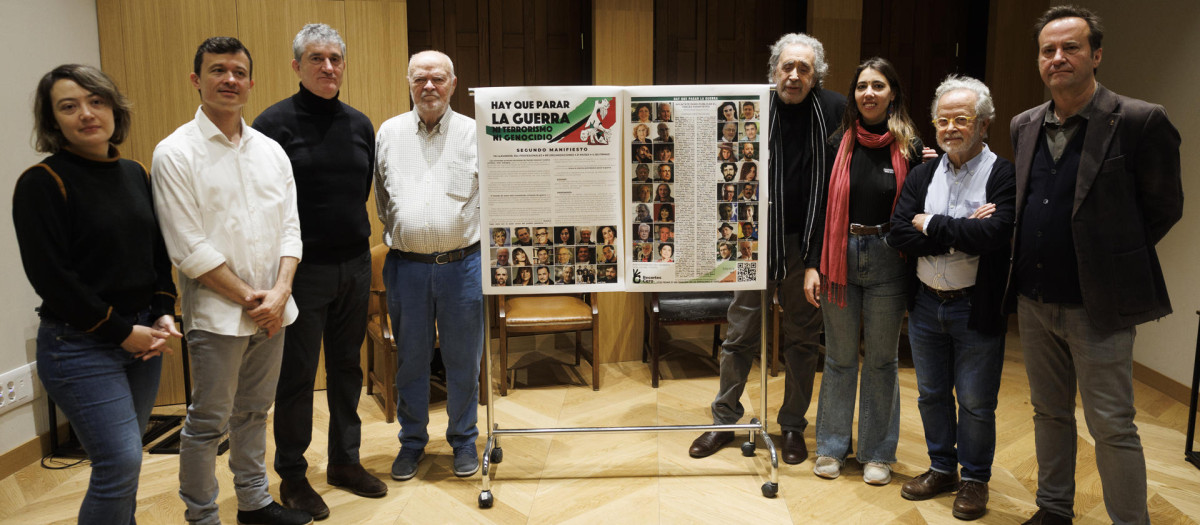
{"x": 649, "y": 478}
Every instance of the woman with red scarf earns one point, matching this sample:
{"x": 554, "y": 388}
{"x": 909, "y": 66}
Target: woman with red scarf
{"x": 862, "y": 280}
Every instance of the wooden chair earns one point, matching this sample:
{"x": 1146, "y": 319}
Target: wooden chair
{"x": 521, "y": 315}
{"x": 681, "y": 308}
{"x": 381, "y": 344}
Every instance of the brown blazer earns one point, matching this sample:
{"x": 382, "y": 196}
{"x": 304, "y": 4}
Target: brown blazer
{"x": 1128, "y": 194}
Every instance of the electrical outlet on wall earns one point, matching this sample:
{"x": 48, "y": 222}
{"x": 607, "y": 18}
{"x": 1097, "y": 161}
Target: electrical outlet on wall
{"x": 16, "y": 387}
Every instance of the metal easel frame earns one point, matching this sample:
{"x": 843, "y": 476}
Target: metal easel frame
{"x": 493, "y": 453}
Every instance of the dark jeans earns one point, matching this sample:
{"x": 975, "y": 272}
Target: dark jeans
{"x": 107, "y": 395}
{"x": 951, "y": 361}
{"x": 332, "y": 299}
{"x": 450, "y": 295}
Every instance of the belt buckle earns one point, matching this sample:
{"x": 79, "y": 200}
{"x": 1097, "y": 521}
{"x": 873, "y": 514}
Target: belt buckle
{"x": 442, "y": 258}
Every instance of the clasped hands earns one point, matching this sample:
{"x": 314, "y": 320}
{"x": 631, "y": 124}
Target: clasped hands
{"x": 146, "y": 342}
{"x": 266, "y": 308}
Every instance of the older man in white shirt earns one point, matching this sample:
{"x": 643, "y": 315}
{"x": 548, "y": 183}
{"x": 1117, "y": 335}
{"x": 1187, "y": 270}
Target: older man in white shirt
{"x": 427, "y": 191}
{"x": 226, "y": 203}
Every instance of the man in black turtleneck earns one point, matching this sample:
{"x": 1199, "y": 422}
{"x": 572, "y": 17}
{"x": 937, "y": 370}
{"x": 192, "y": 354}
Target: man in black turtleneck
{"x": 802, "y": 115}
{"x": 332, "y": 149}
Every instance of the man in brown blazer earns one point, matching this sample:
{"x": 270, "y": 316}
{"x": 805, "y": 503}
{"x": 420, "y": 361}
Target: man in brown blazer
{"x": 1098, "y": 185}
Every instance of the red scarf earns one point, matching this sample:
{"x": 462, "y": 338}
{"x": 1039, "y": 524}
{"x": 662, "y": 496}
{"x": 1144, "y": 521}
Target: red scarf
{"x": 837, "y": 209}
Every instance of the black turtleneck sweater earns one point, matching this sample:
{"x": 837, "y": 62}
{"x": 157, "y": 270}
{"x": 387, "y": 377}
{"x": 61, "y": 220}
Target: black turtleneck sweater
{"x": 90, "y": 243}
{"x": 873, "y": 180}
{"x": 332, "y": 149}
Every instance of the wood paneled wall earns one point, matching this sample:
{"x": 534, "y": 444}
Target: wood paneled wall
{"x": 623, "y": 40}
{"x": 838, "y": 25}
{"x": 1012, "y": 73}
{"x": 148, "y": 47}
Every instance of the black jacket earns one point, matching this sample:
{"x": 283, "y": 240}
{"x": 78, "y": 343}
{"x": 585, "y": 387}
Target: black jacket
{"x": 988, "y": 238}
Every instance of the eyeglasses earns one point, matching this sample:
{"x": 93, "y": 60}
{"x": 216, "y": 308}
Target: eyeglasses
{"x": 960, "y": 121}
{"x": 437, "y": 81}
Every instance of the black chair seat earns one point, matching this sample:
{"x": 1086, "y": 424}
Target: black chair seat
{"x": 693, "y": 307}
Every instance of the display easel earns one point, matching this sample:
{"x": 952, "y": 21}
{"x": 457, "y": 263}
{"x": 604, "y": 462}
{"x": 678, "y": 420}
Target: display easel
{"x": 493, "y": 453}
{"x": 1189, "y": 454}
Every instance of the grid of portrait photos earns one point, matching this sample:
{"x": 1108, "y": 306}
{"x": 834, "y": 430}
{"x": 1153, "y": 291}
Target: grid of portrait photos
{"x": 550, "y": 255}
{"x": 736, "y": 204}
{"x": 653, "y": 154}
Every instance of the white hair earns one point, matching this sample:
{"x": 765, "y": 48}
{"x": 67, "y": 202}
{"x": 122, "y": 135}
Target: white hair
{"x": 984, "y": 108}
{"x": 819, "y": 65}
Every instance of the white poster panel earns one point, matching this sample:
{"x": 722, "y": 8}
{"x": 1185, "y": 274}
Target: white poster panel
{"x": 695, "y": 180}
{"x": 550, "y": 187}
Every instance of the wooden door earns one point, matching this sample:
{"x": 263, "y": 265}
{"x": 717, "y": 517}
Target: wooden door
{"x": 926, "y": 40}
{"x": 505, "y": 42}
{"x": 720, "y": 42}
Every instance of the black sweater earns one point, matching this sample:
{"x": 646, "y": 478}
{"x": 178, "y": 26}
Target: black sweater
{"x": 988, "y": 238}
{"x": 332, "y": 149}
{"x": 90, "y": 243}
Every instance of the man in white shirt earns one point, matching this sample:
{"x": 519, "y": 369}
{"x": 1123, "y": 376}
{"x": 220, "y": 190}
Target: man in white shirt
{"x": 226, "y": 204}
{"x": 427, "y": 191}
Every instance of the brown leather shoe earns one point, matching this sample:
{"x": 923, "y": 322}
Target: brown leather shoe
{"x": 1045, "y": 517}
{"x": 794, "y": 449}
{"x": 298, "y": 494}
{"x": 972, "y": 499}
{"x": 929, "y": 484}
{"x": 709, "y": 443}
{"x": 356, "y": 479}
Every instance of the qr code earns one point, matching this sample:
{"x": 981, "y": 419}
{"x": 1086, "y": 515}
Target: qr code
{"x": 747, "y": 272}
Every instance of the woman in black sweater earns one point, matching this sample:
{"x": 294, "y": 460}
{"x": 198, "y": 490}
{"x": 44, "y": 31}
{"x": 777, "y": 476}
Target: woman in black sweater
{"x": 92, "y": 250}
{"x": 862, "y": 284}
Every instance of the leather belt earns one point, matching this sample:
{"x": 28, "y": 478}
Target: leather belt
{"x": 859, "y": 229}
{"x": 439, "y": 258}
{"x": 949, "y": 295}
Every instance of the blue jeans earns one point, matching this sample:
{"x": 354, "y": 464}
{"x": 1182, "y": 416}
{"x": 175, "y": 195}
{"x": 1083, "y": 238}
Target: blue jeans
{"x": 421, "y": 298}
{"x": 953, "y": 360}
{"x": 1064, "y": 351}
{"x": 875, "y": 302}
{"x": 107, "y": 395}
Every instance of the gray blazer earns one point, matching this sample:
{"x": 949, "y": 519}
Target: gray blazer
{"x": 1128, "y": 194}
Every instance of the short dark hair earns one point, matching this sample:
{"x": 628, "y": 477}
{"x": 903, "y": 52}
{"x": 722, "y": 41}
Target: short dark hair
{"x": 1095, "y": 29}
{"x": 48, "y": 138}
{"x": 220, "y": 45}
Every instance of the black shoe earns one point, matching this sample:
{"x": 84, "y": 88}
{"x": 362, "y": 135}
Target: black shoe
{"x": 709, "y": 443}
{"x": 1045, "y": 517}
{"x": 298, "y": 494}
{"x": 356, "y": 479}
{"x": 273, "y": 514}
{"x": 795, "y": 451}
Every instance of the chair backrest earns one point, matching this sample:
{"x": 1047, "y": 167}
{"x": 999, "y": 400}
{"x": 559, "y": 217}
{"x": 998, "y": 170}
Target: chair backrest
{"x": 376, "y": 304}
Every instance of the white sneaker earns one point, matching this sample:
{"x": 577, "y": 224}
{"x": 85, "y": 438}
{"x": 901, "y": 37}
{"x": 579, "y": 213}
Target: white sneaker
{"x": 876, "y": 473}
{"x": 827, "y": 467}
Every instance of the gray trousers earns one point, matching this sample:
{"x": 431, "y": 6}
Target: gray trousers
{"x": 233, "y": 386}
{"x": 1063, "y": 350}
{"x": 801, "y": 341}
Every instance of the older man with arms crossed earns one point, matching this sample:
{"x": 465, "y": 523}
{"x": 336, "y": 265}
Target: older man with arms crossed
{"x": 226, "y": 203}
{"x": 1098, "y": 186}
{"x": 802, "y": 115}
{"x": 427, "y": 190}
{"x": 955, "y": 215}
{"x": 332, "y": 150}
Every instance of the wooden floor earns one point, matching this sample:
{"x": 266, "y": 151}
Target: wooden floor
{"x": 649, "y": 478}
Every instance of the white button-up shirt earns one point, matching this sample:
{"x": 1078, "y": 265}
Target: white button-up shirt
{"x": 224, "y": 203}
{"x": 955, "y": 194}
{"x": 427, "y": 183}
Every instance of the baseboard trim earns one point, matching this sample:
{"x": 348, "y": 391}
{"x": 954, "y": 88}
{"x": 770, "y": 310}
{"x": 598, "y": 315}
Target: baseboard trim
{"x": 1162, "y": 383}
{"x": 26, "y": 454}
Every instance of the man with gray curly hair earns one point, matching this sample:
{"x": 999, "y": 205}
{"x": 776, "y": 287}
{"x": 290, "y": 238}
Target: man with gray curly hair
{"x": 332, "y": 150}
{"x": 801, "y": 117}
{"x": 955, "y": 215}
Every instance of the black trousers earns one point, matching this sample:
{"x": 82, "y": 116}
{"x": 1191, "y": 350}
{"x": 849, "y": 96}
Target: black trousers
{"x": 332, "y": 299}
